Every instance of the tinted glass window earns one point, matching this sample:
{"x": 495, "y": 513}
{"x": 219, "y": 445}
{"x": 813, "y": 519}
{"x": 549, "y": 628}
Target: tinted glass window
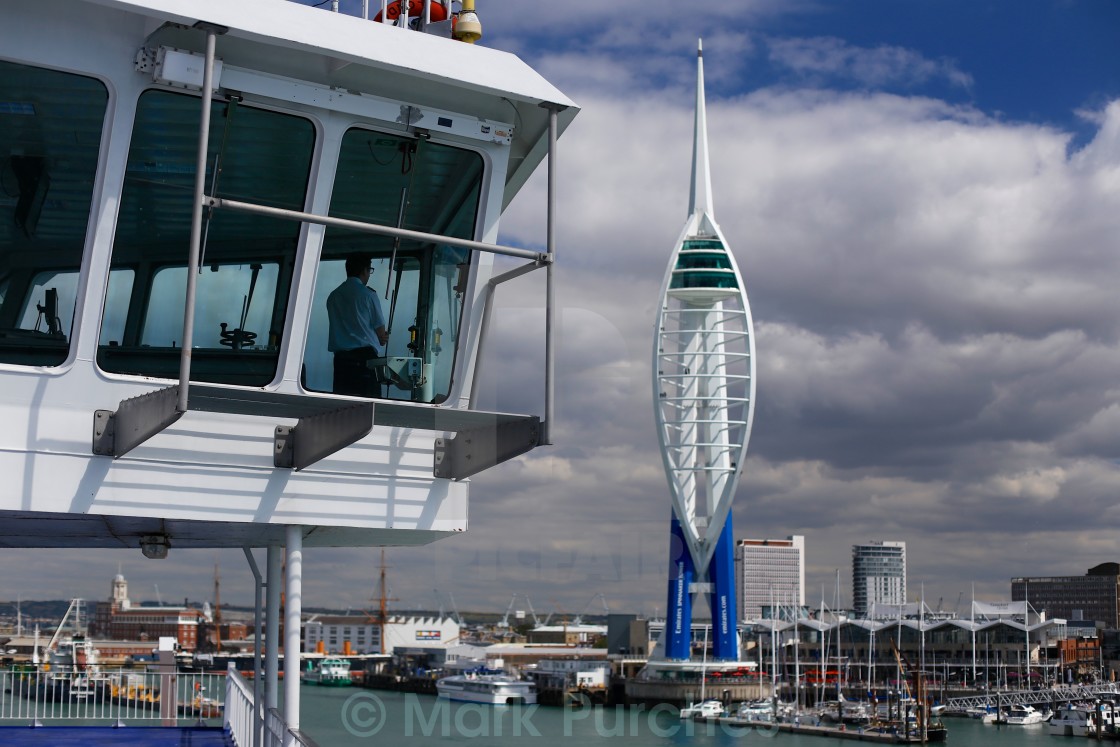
{"x": 50, "y": 136}
{"x": 254, "y": 155}
{"x": 413, "y": 184}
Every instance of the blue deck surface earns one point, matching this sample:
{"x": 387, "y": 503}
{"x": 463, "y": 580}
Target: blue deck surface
{"x": 130, "y": 736}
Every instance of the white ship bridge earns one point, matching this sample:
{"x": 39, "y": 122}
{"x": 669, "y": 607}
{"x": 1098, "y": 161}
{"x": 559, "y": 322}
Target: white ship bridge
{"x": 182, "y": 184}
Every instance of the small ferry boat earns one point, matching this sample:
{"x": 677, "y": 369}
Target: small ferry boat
{"x": 331, "y": 672}
{"x": 490, "y": 689}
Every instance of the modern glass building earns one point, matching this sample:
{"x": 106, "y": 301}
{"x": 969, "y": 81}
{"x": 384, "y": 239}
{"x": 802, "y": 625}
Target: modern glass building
{"x": 1094, "y": 596}
{"x": 878, "y": 575}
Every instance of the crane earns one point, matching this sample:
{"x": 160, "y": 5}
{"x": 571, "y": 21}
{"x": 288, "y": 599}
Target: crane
{"x": 504, "y": 622}
{"x": 578, "y": 620}
{"x": 455, "y": 609}
{"x": 536, "y": 620}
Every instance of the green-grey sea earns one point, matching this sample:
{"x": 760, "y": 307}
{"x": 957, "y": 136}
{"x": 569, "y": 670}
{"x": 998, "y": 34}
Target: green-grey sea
{"x": 352, "y": 717}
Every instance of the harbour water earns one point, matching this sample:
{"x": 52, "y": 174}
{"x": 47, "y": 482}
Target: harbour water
{"x": 351, "y": 717}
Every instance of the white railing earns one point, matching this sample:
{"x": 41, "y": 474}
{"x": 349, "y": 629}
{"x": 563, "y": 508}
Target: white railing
{"x": 41, "y": 695}
{"x": 241, "y": 718}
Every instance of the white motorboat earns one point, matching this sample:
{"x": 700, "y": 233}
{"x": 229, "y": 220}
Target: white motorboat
{"x": 1082, "y": 720}
{"x": 759, "y": 710}
{"x": 704, "y": 709}
{"x": 986, "y": 714}
{"x": 846, "y": 712}
{"x": 490, "y": 689}
{"x": 1025, "y": 715}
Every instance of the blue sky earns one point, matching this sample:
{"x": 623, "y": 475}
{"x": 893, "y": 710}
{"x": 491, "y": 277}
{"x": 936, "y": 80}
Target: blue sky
{"x": 924, "y": 200}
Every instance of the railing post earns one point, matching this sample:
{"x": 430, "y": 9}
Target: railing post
{"x": 258, "y": 583}
{"x": 272, "y": 629}
{"x": 550, "y": 291}
{"x": 196, "y": 218}
{"x": 293, "y": 610}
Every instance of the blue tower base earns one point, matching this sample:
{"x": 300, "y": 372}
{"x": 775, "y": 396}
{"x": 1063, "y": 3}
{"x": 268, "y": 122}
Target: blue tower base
{"x": 678, "y": 622}
{"x": 721, "y": 574}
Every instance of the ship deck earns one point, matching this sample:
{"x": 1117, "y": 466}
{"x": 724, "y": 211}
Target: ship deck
{"x": 132, "y": 736}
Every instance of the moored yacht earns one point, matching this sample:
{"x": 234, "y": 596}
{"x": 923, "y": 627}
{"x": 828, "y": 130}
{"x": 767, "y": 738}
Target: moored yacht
{"x": 986, "y": 714}
{"x": 1082, "y": 720}
{"x": 704, "y": 709}
{"x": 1025, "y": 715}
{"x": 759, "y": 710}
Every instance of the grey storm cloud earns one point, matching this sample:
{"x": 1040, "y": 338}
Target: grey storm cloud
{"x": 936, "y": 322}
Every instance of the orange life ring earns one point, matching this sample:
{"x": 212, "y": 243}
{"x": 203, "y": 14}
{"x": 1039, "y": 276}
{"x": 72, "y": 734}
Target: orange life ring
{"x": 416, "y": 7}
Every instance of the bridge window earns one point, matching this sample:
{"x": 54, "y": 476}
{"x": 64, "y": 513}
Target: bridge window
{"x": 50, "y": 138}
{"x": 417, "y": 185}
{"x": 247, "y": 261}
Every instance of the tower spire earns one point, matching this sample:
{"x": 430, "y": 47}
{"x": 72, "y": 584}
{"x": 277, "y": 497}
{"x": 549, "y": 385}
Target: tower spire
{"x": 700, "y": 196}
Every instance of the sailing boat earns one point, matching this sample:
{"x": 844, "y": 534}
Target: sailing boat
{"x": 707, "y": 707}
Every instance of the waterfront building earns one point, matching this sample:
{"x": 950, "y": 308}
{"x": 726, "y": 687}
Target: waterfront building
{"x": 628, "y": 635}
{"x": 769, "y": 573}
{"x": 878, "y": 575}
{"x": 569, "y": 634}
{"x": 1094, "y": 596}
{"x": 583, "y": 674}
{"x": 995, "y": 644}
{"x": 116, "y": 619}
{"x": 362, "y": 634}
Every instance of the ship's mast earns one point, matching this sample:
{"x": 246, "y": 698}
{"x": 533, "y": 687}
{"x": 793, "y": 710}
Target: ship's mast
{"x": 381, "y": 606}
{"x": 383, "y": 600}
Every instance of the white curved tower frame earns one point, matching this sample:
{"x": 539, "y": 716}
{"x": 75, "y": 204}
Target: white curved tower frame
{"x": 703, "y": 364}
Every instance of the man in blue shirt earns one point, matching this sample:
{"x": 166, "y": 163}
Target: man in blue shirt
{"x": 357, "y": 331}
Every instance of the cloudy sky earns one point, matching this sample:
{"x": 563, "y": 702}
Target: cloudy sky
{"x": 924, "y": 201}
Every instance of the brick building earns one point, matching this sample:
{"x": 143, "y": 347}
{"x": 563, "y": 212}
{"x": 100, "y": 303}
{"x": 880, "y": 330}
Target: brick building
{"x": 116, "y": 619}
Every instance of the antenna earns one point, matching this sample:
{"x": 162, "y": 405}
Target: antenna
{"x": 217, "y": 609}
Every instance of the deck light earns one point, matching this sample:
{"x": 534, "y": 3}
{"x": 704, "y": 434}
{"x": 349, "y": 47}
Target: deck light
{"x": 154, "y": 546}
{"x": 468, "y": 28}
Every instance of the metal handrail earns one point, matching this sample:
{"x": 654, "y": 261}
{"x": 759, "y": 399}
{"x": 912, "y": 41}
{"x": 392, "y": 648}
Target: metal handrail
{"x": 36, "y": 695}
{"x": 202, "y": 200}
